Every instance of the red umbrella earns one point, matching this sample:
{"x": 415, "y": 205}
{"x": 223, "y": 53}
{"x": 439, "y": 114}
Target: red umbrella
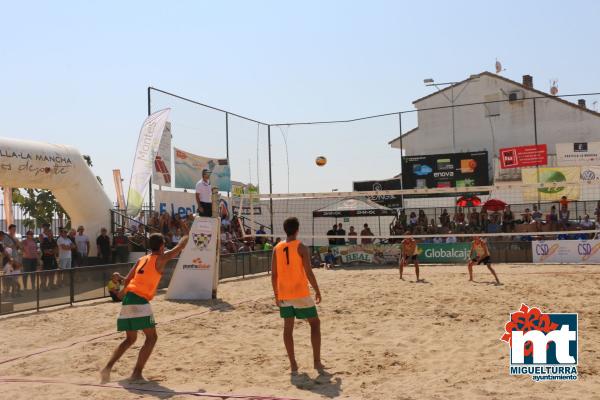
{"x": 472, "y": 201}
{"x": 494, "y": 205}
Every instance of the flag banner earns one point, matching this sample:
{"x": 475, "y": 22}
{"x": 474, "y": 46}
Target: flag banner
{"x": 552, "y": 176}
{"x": 145, "y": 153}
{"x": 581, "y": 153}
{"x": 193, "y": 278}
{"x": 162, "y": 163}
{"x": 119, "y": 189}
{"x": 188, "y": 171}
{"x": 524, "y": 156}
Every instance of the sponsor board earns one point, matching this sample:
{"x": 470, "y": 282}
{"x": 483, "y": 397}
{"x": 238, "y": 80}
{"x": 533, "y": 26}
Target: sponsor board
{"x": 188, "y": 171}
{"x": 193, "y": 278}
{"x": 566, "y": 251}
{"x": 523, "y": 156}
{"x": 579, "y": 153}
{"x": 391, "y": 201}
{"x": 551, "y": 177}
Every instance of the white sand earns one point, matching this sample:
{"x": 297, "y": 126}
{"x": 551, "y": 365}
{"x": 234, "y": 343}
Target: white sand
{"x": 382, "y": 339}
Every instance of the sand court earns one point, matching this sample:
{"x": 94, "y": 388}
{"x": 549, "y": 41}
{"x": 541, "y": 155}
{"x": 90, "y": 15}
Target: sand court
{"x": 382, "y": 339}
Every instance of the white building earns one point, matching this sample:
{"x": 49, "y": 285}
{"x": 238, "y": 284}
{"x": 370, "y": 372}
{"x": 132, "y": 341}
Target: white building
{"x": 497, "y": 125}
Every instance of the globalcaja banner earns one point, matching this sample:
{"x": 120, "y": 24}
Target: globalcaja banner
{"x": 145, "y": 153}
{"x": 193, "y": 278}
{"x": 429, "y": 253}
{"x": 566, "y": 251}
{"x": 552, "y": 176}
{"x": 524, "y": 156}
{"x": 188, "y": 171}
{"x": 391, "y": 201}
{"x": 162, "y": 163}
{"x": 445, "y": 170}
{"x": 581, "y": 153}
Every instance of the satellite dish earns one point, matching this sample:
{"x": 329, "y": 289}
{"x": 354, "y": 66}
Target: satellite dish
{"x": 498, "y": 66}
{"x": 554, "y": 87}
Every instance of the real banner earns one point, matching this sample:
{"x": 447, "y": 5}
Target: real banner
{"x": 445, "y": 170}
{"x": 552, "y": 176}
{"x": 194, "y": 275}
{"x": 162, "y": 163}
{"x": 566, "y": 251}
{"x": 391, "y": 201}
{"x": 429, "y": 253}
{"x": 145, "y": 153}
{"x": 581, "y": 153}
{"x": 175, "y": 203}
{"x": 188, "y": 171}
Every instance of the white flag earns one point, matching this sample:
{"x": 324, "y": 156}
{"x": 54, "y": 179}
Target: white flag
{"x": 143, "y": 163}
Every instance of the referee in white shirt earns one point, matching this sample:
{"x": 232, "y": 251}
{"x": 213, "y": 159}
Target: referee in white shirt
{"x": 204, "y": 195}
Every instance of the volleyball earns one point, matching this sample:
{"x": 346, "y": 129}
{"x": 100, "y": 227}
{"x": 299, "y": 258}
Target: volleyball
{"x": 321, "y": 161}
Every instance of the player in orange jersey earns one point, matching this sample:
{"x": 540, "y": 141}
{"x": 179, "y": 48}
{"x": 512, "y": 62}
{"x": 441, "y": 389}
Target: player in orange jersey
{"x": 136, "y": 314}
{"x": 409, "y": 253}
{"x": 291, "y": 274}
{"x": 481, "y": 256}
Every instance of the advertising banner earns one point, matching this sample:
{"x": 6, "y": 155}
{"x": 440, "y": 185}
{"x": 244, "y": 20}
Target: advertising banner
{"x": 581, "y": 153}
{"x": 188, "y": 171}
{"x": 445, "y": 170}
{"x": 239, "y": 188}
{"x": 174, "y": 203}
{"x": 193, "y": 277}
{"x": 429, "y": 253}
{"x": 524, "y": 156}
{"x": 391, "y": 201}
{"x": 162, "y": 163}
{"x": 566, "y": 251}
{"x": 553, "y": 176}
{"x": 590, "y": 174}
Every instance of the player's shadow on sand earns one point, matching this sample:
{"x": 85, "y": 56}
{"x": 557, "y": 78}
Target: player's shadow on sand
{"x": 154, "y": 389}
{"x": 324, "y": 384}
{"x": 212, "y": 305}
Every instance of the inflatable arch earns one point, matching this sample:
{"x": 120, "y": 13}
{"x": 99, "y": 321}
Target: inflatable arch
{"x": 62, "y": 170}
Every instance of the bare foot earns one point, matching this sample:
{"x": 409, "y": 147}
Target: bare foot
{"x": 294, "y": 367}
{"x": 137, "y": 378}
{"x": 319, "y": 366}
{"x": 105, "y": 375}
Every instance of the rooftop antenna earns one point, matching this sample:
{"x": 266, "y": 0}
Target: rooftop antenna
{"x": 554, "y": 87}
{"x": 499, "y": 67}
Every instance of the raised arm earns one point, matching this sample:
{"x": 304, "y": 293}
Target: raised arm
{"x": 305, "y": 254}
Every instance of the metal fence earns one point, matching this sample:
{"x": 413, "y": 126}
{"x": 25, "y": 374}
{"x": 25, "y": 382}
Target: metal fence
{"x": 44, "y": 289}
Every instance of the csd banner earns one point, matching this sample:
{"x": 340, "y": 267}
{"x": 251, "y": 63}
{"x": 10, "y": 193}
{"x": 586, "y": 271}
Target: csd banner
{"x": 551, "y": 176}
{"x": 566, "y": 251}
{"x": 194, "y": 275}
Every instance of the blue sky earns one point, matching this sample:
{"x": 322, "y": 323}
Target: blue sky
{"x": 76, "y": 73}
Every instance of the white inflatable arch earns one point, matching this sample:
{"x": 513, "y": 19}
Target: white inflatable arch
{"x": 62, "y": 170}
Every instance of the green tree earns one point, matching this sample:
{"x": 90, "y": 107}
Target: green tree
{"x": 88, "y": 160}
{"x": 40, "y": 205}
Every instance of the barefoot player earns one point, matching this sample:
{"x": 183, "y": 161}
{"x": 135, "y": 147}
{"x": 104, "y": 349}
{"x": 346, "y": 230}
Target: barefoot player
{"x": 409, "y": 253}
{"x": 482, "y": 256}
{"x": 291, "y": 274}
{"x": 136, "y": 314}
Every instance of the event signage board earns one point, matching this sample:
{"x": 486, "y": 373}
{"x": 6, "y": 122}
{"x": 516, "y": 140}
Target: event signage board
{"x": 580, "y": 153}
{"x": 524, "y": 156}
{"x": 175, "y": 203}
{"x": 193, "y": 278}
{"x": 391, "y": 201}
{"x": 566, "y": 252}
{"x": 551, "y": 177}
{"x": 429, "y": 253}
{"x": 590, "y": 174}
{"x": 445, "y": 170}
{"x": 188, "y": 171}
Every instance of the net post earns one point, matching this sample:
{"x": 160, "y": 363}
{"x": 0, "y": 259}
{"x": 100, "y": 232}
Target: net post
{"x": 270, "y": 179}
